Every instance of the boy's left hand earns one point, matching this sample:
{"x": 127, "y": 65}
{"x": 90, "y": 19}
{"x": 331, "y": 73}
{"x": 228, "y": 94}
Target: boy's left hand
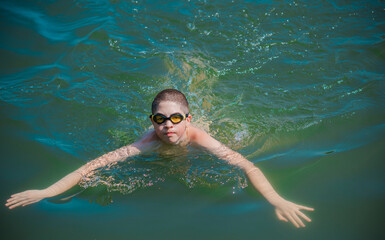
{"x": 288, "y": 211}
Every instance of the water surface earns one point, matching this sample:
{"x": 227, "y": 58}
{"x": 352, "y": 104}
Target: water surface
{"x": 295, "y": 86}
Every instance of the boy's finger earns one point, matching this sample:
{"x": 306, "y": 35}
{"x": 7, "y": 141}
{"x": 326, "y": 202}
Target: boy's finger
{"x": 298, "y": 220}
{"x": 293, "y": 221}
{"x": 16, "y": 197}
{"x": 280, "y": 217}
{"x": 304, "y": 216}
{"x": 20, "y": 203}
{"x": 12, "y": 206}
{"x": 12, "y": 201}
{"x": 16, "y": 194}
{"x": 306, "y": 208}
{"x": 17, "y": 203}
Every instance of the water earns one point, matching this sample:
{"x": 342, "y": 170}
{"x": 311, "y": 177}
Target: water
{"x": 295, "y": 86}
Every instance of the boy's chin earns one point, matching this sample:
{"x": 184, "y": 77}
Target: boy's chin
{"x": 171, "y": 141}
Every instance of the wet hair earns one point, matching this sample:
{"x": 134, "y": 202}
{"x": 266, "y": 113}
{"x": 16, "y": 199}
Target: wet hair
{"x": 171, "y": 95}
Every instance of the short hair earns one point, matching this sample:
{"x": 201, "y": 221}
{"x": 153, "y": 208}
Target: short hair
{"x": 171, "y": 95}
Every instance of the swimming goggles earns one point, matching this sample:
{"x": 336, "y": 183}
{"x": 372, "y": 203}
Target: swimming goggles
{"x": 174, "y": 118}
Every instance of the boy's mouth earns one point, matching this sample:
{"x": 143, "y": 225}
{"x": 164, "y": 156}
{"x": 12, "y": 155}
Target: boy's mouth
{"x": 170, "y": 133}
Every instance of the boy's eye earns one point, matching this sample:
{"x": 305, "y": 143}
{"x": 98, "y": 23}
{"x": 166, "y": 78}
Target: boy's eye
{"x": 176, "y": 118}
{"x": 158, "y": 119}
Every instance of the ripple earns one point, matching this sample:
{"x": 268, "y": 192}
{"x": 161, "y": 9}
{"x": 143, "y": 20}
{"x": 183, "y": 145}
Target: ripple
{"x": 198, "y": 171}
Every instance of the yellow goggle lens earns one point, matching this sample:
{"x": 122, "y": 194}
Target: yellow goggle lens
{"x": 176, "y": 118}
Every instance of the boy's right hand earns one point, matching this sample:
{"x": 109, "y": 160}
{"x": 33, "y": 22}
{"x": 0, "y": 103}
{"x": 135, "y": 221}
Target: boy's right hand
{"x": 25, "y": 198}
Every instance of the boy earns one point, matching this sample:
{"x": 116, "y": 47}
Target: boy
{"x": 171, "y": 120}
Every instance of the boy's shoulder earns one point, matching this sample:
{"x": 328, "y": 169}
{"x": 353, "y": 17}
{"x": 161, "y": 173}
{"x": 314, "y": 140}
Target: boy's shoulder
{"x": 147, "y": 141}
{"x": 195, "y": 133}
{"x": 201, "y": 138}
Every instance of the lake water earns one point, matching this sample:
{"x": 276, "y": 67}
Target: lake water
{"x": 295, "y": 86}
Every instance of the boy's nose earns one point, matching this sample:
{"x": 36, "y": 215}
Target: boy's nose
{"x": 169, "y": 123}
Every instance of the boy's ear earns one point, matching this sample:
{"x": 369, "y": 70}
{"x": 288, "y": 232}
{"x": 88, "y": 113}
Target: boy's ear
{"x": 188, "y": 119}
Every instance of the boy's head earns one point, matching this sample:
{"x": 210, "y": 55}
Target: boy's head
{"x": 170, "y": 95}
{"x": 170, "y": 116}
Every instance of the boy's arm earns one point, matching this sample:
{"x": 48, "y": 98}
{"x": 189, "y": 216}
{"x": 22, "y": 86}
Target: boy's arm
{"x": 70, "y": 180}
{"x": 285, "y": 210}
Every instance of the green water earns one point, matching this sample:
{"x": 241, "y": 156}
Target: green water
{"x": 297, "y": 87}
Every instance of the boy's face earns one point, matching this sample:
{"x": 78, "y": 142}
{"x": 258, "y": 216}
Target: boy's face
{"x": 167, "y": 131}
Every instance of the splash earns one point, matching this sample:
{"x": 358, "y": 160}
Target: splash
{"x": 141, "y": 172}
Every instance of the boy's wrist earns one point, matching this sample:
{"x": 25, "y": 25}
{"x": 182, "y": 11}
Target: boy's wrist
{"x": 44, "y": 192}
{"x": 274, "y": 199}
{"x": 47, "y": 193}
